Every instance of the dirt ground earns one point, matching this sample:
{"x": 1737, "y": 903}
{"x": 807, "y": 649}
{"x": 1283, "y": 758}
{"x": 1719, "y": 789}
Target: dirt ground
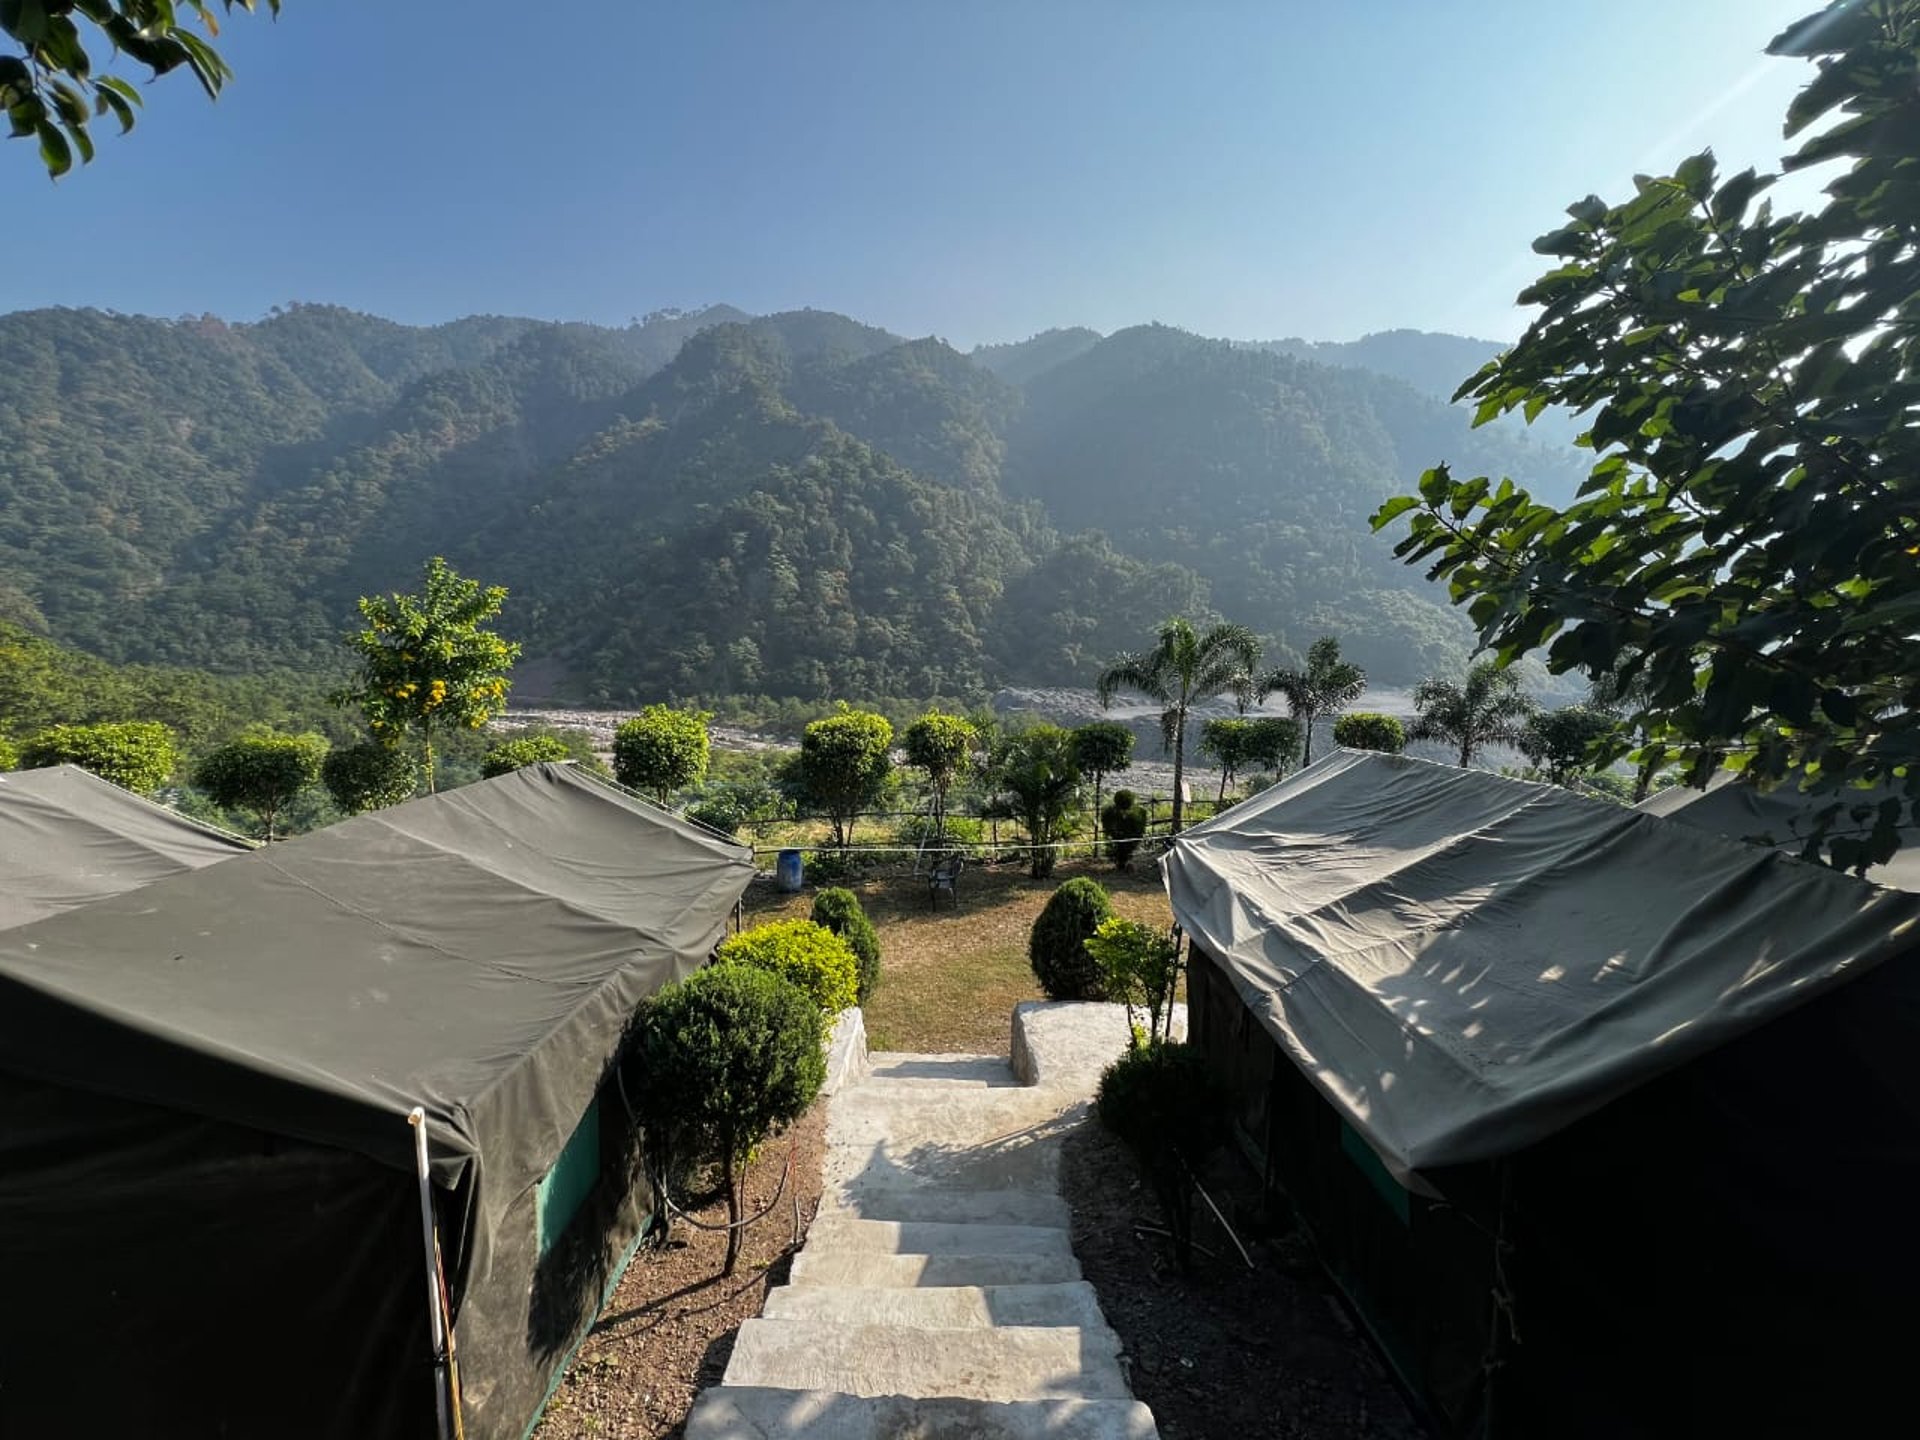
{"x": 668, "y": 1331}
{"x": 1224, "y": 1353}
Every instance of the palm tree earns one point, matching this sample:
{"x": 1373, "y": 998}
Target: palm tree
{"x": 1181, "y": 670}
{"x": 1326, "y": 687}
{"x": 1491, "y": 707}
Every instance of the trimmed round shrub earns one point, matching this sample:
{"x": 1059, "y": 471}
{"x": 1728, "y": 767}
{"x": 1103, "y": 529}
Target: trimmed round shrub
{"x": 136, "y": 755}
{"x": 1057, "y": 946}
{"x": 839, "y": 910}
{"x": 1364, "y": 730}
{"x": 1167, "y": 1107}
{"x": 808, "y": 955}
{"x": 719, "y": 1061}
{"x": 1161, "y": 1100}
{"x": 369, "y": 776}
{"x": 506, "y": 756}
{"x": 1124, "y": 822}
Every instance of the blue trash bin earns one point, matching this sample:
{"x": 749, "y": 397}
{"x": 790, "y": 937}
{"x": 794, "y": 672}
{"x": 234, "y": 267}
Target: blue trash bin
{"x": 790, "y": 873}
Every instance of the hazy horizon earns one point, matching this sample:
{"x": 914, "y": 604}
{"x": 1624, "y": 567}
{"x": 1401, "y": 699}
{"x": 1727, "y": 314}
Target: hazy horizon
{"x": 986, "y": 173}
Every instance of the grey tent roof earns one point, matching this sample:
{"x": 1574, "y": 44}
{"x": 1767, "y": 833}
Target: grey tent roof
{"x": 68, "y": 837}
{"x": 1780, "y": 818}
{"x": 1464, "y": 964}
{"x": 476, "y": 952}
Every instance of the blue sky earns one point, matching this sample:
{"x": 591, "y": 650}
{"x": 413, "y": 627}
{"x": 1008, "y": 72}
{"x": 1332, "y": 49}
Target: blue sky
{"x": 965, "y": 168}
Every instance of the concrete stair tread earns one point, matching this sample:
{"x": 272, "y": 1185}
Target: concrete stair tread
{"x": 973, "y": 1072}
{"x": 830, "y": 1232}
{"x": 950, "y": 1307}
{"x": 1012, "y": 1362}
{"x": 1023, "y": 1206}
{"x": 755, "y": 1412}
{"x": 875, "y": 1270}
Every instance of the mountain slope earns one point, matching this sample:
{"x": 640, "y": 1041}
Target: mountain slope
{"x": 796, "y": 504}
{"x": 1258, "y": 472}
{"x": 1021, "y": 360}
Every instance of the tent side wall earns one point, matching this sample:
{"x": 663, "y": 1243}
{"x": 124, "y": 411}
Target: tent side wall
{"x": 1727, "y": 1249}
{"x": 1416, "y": 1273}
{"x": 558, "y": 1249}
{"x": 169, "y": 1276}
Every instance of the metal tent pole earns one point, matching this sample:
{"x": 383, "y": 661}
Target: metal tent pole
{"x": 417, "y": 1118}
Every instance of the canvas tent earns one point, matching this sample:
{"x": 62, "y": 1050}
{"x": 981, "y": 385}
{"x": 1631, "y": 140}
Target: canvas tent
{"x": 1605, "y": 1126}
{"x": 68, "y": 837}
{"x": 208, "y": 1216}
{"x": 1781, "y": 818}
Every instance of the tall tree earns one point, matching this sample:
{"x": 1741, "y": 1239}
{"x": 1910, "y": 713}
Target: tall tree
{"x": 1183, "y": 668}
{"x": 1326, "y": 685}
{"x": 1489, "y": 709}
{"x": 263, "y": 772}
{"x": 1743, "y": 549}
{"x": 843, "y": 764}
{"x": 428, "y": 662}
{"x": 1100, "y": 749}
{"x": 942, "y": 746}
{"x": 50, "y": 89}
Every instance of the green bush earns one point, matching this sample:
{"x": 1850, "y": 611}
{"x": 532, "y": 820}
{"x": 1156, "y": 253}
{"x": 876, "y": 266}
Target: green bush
{"x": 718, "y": 812}
{"x": 839, "y": 910}
{"x": 1165, "y": 1104}
{"x": 962, "y": 832}
{"x": 843, "y": 765}
{"x": 1364, "y": 730}
{"x": 369, "y": 776}
{"x": 9, "y": 756}
{"x": 718, "y": 1061}
{"x": 831, "y": 867}
{"x": 136, "y": 755}
{"x": 808, "y": 955}
{"x": 1124, "y": 822}
{"x": 262, "y": 772}
{"x": 1140, "y": 967}
{"x": 1057, "y": 946}
{"x": 506, "y": 756}
{"x": 661, "y": 750}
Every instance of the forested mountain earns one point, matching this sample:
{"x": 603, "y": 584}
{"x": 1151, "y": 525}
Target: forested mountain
{"x": 1020, "y": 361}
{"x": 1258, "y": 472}
{"x": 708, "y": 503}
{"x": 1434, "y": 364}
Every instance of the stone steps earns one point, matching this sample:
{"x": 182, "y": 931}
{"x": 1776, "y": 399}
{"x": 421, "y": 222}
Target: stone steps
{"x": 937, "y": 1296}
{"x": 934, "y": 1203}
{"x": 754, "y": 1412}
{"x": 934, "y": 1237}
{"x": 943, "y": 1307}
{"x": 973, "y": 1072}
{"x": 1009, "y": 1362}
{"x": 900, "y": 1272}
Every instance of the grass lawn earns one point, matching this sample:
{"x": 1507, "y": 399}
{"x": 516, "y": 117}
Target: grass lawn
{"x": 949, "y": 979}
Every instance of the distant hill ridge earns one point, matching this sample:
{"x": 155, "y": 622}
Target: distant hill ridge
{"x": 710, "y": 502}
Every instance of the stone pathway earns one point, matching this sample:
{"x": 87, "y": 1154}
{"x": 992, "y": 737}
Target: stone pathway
{"x": 937, "y": 1296}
